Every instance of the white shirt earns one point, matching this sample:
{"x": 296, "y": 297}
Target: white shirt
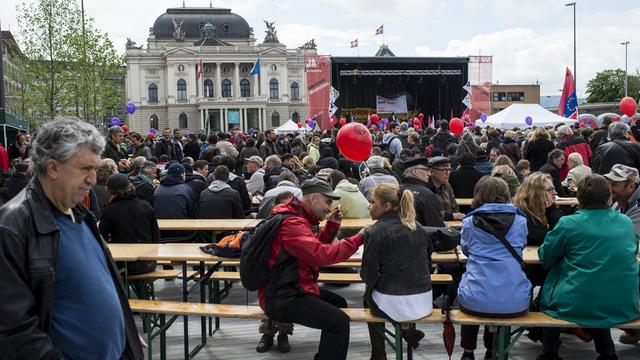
{"x": 404, "y": 307}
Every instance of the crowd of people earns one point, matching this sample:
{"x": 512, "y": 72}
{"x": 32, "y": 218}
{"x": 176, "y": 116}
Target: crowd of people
{"x": 70, "y": 176}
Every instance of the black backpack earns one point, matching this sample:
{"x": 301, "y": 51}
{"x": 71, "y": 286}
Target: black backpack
{"x": 255, "y": 248}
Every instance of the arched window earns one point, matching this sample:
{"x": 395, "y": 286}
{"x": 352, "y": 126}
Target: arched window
{"x": 295, "y": 117}
{"x": 273, "y": 89}
{"x": 208, "y": 88}
{"x": 153, "y": 122}
{"x": 182, "y": 90}
{"x": 182, "y": 121}
{"x": 245, "y": 88}
{"x": 153, "y": 93}
{"x": 226, "y": 88}
{"x": 275, "y": 119}
{"x": 295, "y": 91}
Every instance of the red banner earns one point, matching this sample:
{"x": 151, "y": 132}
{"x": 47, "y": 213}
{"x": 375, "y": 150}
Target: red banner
{"x": 318, "y": 84}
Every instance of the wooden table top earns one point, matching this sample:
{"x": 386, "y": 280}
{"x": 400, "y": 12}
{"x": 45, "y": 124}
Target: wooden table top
{"x": 207, "y": 224}
{"x": 568, "y": 201}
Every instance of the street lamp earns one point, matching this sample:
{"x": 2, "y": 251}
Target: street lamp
{"x": 626, "y": 44}
{"x": 575, "y": 77}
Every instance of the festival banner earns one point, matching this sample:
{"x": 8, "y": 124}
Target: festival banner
{"x": 397, "y": 105}
{"x": 317, "y": 68}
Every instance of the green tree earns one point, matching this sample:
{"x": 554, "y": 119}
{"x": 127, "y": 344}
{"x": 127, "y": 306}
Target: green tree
{"x": 608, "y": 86}
{"x": 67, "y": 71}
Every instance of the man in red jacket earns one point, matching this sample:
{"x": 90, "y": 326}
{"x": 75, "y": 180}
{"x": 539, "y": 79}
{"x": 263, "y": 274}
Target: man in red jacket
{"x": 293, "y": 294}
{"x": 570, "y": 144}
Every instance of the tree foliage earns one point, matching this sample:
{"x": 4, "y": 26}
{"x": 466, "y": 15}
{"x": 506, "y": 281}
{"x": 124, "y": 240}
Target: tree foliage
{"x": 608, "y": 86}
{"x": 66, "y": 72}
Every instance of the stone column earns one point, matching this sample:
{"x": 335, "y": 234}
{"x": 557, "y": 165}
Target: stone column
{"x": 236, "y": 80}
{"x": 217, "y": 83}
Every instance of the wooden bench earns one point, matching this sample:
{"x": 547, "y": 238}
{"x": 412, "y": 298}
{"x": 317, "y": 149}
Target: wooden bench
{"x": 142, "y": 284}
{"x": 174, "y": 309}
{"x": 505, "y": 339}
{"x": 328, "y": 277}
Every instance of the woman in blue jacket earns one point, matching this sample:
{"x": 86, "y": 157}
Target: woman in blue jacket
{"x": 494, "y": 284}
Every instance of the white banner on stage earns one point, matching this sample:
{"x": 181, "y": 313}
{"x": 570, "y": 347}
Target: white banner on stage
{"x": 387, "y": 106}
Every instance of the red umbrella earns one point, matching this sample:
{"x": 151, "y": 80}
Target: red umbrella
{"x": 448, "y": 331}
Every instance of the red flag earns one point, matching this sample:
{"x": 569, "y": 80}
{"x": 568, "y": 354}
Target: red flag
{"x": 568, "y": 106}
{"x": 380, "y": 30}
{"x": 199, "y": 73}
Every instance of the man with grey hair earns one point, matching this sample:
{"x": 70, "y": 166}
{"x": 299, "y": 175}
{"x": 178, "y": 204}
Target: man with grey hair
{"x": 416, "y": 180}
{"x": 115, "y": 137}
{"x": 272, "y": 168}
{"x": 577, "y": 171}
{"x": 144, "y": 181}
{"x": 618, "y": 150}
{"x": 55, "y": 270}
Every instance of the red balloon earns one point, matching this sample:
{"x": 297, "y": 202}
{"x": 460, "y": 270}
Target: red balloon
{"x": 416, "y": 122}
{"x": 306, "y": 121}
{"x": 421, "y": 116}
{"x": 617, "y": 119}
{"x": 456, "y": 126}
{"x": 343, "y": 122}
{"x": 151, "y": 136}
{"x": 299, "y": 125}
{"x": 628, "y": 106}
{"x": 125, "y": 128}
{"x": 375, "y": 118}
{"x": 354, "y": 142}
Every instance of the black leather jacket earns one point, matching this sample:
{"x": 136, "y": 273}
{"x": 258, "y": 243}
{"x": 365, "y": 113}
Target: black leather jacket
{"x": 29, "y": 245}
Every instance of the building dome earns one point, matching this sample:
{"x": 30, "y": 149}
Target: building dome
{"x": 228, "y": 25}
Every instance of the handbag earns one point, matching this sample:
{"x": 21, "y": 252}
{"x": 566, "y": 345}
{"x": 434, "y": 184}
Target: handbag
{"x": 443, "y": 238}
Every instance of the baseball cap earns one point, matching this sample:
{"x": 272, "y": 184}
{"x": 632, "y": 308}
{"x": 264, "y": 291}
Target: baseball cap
{"x": 315, "y": 185}
{"x": 175, "y": 168}
{"x": 621, "y": 172}
{"x": 117, "y": 182}
{"x": 255, "y": 159}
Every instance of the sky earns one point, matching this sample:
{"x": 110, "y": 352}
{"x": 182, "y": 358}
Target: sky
{"x": 530, "y": 40}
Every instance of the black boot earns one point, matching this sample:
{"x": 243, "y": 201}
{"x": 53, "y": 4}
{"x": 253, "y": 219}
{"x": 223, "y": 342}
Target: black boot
{"x": 412, "y": 337}
{"x": 283, "y": 343}
{"x": 377, "y": 344}
{"x": 265, "y": 343}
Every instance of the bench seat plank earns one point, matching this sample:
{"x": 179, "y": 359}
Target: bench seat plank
{"x": 530, "y": 319}
{"x": 157, "y": 275}
{"x": 329, "y": 277}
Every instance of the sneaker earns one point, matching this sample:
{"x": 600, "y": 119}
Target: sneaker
{"x": 265, "y": 343}
{"x": 548, "y": 356}
{"x": 283, "y": 343}
{"x": 628, "y": 338}
{"x": 468, "y": 356}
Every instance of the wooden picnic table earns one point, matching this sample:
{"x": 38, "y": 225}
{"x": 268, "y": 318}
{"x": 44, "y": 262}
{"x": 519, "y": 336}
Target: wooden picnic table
{"x": 247, "y": 224}
{"x": 567, "y": 201}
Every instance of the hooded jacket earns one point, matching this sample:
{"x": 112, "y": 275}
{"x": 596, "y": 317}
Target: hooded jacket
{"x": 220, "y": 201}
{"x": 309, "y": 251}
{"x": 173, "y": 200}
{"x": 494, "y": 283}
{"x": 352, "y": 203}
{"x": 511, "y": 149}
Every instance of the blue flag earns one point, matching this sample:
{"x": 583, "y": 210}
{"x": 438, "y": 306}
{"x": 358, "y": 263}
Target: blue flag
{"x": 256, "y": 68}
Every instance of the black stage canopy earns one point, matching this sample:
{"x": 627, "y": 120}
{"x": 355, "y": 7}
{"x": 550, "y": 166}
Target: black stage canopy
{"x": 433, "y": 86}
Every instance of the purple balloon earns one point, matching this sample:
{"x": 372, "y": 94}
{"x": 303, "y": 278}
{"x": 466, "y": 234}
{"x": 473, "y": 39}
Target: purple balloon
{"x": 528, "y": 120}
{"x": 153, "y": 131}
{"x": 131, "y": 108}
{"x": 251, "y": 130}
{"x": 312, "y": 124}
{"x": 115, "y": 121}
{"x": 483, "y": 117}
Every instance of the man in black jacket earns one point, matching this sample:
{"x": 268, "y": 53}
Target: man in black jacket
{"x": 552, "y": 167}
{"x": 54, "y": 265}
{"x": 219, "y": 200}
{"x": 416, "y": 177}
{"x": 464, "y": 180}
{"x": 619, "y": 150}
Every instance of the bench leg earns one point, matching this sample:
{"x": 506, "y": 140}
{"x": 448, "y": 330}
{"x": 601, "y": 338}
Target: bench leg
{"x": 398, "y": 347}
{"x": 502, "y": 343}
{"x": 163, "y": 339}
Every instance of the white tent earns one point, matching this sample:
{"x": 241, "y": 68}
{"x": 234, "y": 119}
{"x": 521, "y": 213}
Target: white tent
{"x": 290, "y": 127}
{"x": 515, "y": 115}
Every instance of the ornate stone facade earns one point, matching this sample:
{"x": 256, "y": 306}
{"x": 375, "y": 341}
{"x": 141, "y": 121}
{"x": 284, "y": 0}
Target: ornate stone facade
{"x": 161, "y": 78}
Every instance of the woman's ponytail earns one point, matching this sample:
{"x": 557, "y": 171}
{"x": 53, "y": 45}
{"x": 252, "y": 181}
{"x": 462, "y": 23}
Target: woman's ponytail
{"x": 407, "y": 210}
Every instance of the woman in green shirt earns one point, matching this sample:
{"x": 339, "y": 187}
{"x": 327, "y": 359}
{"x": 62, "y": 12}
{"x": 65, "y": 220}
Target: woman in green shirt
{"x": 593, "y": 276}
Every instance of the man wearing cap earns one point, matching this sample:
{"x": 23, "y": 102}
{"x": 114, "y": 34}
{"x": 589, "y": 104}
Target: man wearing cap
{"x": 623, "y": 182}
{"x": 293, "y": 294}
{"x": 416, "y": 179}
{"x": 173, "y": 199}
{"x": 254, "y": 167}
{"x": 440, "y": 172}
{"x": 128, "y": 219}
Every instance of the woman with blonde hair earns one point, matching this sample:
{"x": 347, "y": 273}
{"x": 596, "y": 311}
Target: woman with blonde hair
{"x": 535, "y": 198}
{"x": 506, "y": 173}
{"x": 537, "y": 149}
{"x": 395, "y": 265}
